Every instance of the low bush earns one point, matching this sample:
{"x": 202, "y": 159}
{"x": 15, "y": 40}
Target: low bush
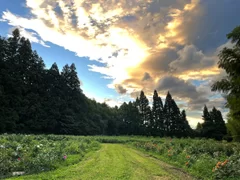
{"x": 205, "y": 159}
{"x": 37, "y": 153}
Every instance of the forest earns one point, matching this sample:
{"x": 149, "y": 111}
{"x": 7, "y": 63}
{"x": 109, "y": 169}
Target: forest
{"x": 37, "y": 100}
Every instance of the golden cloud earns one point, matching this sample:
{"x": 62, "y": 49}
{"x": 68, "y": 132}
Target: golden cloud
{"x": 131, "y": 39}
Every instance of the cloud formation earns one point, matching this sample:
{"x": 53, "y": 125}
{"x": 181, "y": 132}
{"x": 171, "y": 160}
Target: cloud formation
{"x": 32, "y": 36}
{"x": 146, "y": 77}
{"x": 120, "y": 89}
{"x": 139, "y": 44}
{"x": 182, "y": 90}
{"x": 190, "y": 59}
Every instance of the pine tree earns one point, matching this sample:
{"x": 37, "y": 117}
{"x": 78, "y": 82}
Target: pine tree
{"x": 74, "y": 82}
{"x": 143, "y": 104}
{"x": 55, "y": 96}
{"x": 157, "y": 113}
{"x": 186, "y": 130}
{"x": 208, "y": 125}
{"x": 219, "y": 125}
{"x": 177, "y": 123}
{"x": 199, "y": 127}
{"x": 168, "y": 114}
{"x": 149, "y": 122}
{"x": 37, "y": 100}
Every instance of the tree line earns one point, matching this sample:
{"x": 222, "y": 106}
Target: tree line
{"x": 138, "y": 118}
{"x": 34, "y": 99}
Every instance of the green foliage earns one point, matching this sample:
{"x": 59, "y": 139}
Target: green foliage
{"x": 38, "y": 100}
{"x": 229, "y": 60}
{"x": 144, "y": 110}
{"x": 158, "y": 115}
{"x": 213, "y": 125}
{"x": 228, "y": 169}
{"x": 234, "y": 126}
{"x": 32, "y": 154}
{"x": 113, "y": 161}
{"x": 199, "y": 157}
{"x": 129, "y": 119}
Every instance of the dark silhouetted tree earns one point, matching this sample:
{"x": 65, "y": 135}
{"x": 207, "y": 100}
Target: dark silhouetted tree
{"x": 158, "y": 116}
{"x": 208, "y": 124}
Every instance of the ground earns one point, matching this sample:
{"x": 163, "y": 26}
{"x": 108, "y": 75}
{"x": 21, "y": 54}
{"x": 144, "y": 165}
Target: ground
{"x": 115, "y": 161}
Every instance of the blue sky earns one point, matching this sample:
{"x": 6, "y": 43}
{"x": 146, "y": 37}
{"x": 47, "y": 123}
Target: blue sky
{"x": 122, "y": 47}
{"x": 92, "y": 83}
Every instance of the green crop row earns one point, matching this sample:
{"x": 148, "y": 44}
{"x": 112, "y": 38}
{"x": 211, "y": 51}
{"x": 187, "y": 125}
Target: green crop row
{"x": 36, "y": 153}
{"x": 205, "y": 159}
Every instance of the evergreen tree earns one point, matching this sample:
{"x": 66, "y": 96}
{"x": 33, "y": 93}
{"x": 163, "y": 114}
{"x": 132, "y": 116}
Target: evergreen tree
{"x": 157, "y": 113}
{"x": 144, "y": 111}
{"x": 185, "y": 128}
{"x": 124, "y": 123}
{"x": 199, "y": 127}
{"x": 73, "y": 116}
{"x": 135, "y": 119}
{"x": 130, "y": 119}
{"x": 220, "y": 129}
{"x": 221, "y": 126}
{"x": 177, "y": 124}
{"x": 149, "y": 122}
{"x": 39, "y": 100}
{"x": 168, "y": 114}
{"x": 54, "y": 100}
{"x": 208, "y": 124}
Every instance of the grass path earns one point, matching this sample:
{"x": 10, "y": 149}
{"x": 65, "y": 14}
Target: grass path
{"x": 115, "y": 161}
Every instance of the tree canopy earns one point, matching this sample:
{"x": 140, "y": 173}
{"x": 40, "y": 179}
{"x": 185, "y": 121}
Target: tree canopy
{"x": 229, "y": 60}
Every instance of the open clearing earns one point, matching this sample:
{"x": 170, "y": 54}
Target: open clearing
{"x": 115, "y": 161}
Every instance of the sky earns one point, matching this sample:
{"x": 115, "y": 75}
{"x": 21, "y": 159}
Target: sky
{"x": 122, "y": 47}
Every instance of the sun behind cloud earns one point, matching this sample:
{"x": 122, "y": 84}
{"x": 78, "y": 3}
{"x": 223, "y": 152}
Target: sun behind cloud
{"x": 137, "y": 43}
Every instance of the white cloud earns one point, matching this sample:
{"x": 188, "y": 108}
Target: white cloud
{"x": 3, "y": 20}
{"x": 31, "y": 36}
{"x": 192, "y": 59}
{"x": 101, "y": 46}
{"x": 102, "y": 31}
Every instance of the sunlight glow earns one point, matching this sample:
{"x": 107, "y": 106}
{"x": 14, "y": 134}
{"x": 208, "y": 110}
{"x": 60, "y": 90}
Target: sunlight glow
{"x": 203, "y": 74}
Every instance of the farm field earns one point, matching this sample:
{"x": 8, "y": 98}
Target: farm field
{"x": 112, "y": 157}
{"x": 115, "y": 161}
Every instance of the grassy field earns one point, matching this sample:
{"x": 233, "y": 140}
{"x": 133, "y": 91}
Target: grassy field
{"x": 114, "y": 161}
{"x": 125, "y": 157}
{"x": 38, "y": 153}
